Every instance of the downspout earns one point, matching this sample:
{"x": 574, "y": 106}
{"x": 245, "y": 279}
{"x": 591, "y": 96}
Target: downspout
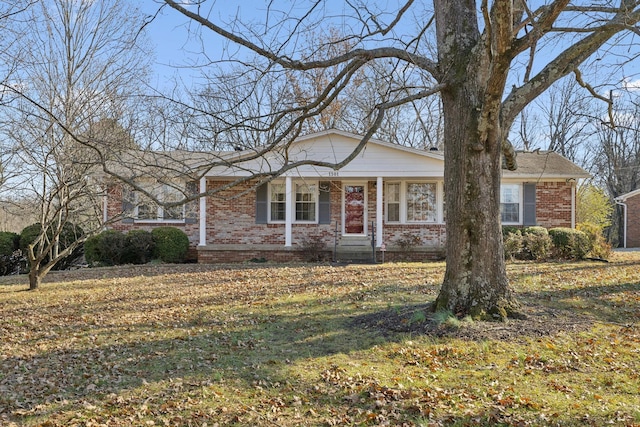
{"x": 379, "y": 211}
{"x": 624, "y": 229}
{"x": 202, "y": 206}
{"x": 105, "y": 212}
{"x": 572, "y": 182}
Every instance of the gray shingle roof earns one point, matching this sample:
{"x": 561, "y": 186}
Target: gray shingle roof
{"x": 545, "y": 164}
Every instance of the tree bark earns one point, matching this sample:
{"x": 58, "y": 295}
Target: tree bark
{"x": 34, "y": 279}
{"x": 475, "y": 281}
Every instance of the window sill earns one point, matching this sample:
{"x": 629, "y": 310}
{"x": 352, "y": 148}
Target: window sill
{"x": 159, "y": 221}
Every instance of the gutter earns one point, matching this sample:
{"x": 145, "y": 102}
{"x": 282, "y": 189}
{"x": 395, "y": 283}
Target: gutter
{"x": 624, "y": 207}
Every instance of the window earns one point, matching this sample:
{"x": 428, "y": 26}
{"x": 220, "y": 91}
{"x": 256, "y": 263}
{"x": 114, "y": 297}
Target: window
{"x": 393, "y": 202}
{"x": 147, "y": 209}
{"x": 421, "y": 202}
{"x": 510, "y": 203}
{"x": 278, "y": 202}
{"x": 306, "y": 196}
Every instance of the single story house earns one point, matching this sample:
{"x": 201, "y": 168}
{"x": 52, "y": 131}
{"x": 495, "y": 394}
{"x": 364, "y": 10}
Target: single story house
{"x": 389, "y": 197}
{"x": 630, "y": 203}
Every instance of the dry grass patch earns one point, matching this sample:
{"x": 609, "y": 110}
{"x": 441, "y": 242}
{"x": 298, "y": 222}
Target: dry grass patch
{"x": 292, "y": 345}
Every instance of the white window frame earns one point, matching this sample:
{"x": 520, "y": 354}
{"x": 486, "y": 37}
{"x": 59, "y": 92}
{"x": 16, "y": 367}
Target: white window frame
{"x": 503, "y": 185}
{"x": 387, "y": 202}
{"x": 270, "y": 219}
{"x": 160, "y": 191}
{"x": 436, "y": 208}
{"x": 316, "y": 201}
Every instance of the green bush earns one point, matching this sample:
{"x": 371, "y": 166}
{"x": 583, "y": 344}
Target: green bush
{"x": 512, "y": 242}
{"x": 9, "y": 242}
{"x": 171, "y": 244}
{"x": 536, "y": 243}
{"x": 106, "y": 248}
{"x": 570, "y": 243}
{"x": 600, "y": 248}
{"x": 69, "y": 234}
{"x": 139, "y": 247}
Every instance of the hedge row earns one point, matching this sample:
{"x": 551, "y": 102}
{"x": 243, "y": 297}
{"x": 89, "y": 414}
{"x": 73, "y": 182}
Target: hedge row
{"x": 111, "y": 247}
{"x": 537, "y": 243}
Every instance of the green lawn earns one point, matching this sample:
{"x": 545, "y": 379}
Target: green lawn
{"x": 306, "y": 345}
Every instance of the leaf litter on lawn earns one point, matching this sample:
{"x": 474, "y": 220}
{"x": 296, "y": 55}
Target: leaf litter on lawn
{"x": 319, "y": 345}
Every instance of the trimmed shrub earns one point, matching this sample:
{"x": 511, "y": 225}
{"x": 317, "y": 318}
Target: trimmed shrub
{"x": 70, "y": 233}
{"x": 139, "y": 247}
{"x": 512, "y": 243}
{"x": 536, "y": 243}
{"x": 9, "y": 242}
{"x": 171, "y": 244}
{"x": 600, "y": 248}
{"x": 106, "y": 248}
{"x": 569, "y": 243}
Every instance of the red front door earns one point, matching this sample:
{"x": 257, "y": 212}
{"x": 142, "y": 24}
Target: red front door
{"x": 354, "y": 209}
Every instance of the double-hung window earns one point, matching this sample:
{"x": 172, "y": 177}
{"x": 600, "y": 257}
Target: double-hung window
{"x": 278, "y": 202}
{"x": 510, "y": 203}
{"x": 306, "y": 202}
{"x": 393, "y": 202}
{"x": 147, "y": 209}
{"x": 421, "y": 202}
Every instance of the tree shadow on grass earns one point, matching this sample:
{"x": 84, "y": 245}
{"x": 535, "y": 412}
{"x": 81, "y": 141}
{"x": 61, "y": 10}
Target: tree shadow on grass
{"x": 101, "y": 370}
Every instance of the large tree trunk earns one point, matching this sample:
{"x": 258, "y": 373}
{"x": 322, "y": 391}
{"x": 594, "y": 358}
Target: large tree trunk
{"x": 34, "y": 278}
{"x": 475, "y": 281}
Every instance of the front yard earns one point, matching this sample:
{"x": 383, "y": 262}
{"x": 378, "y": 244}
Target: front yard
{"x": 317, "y": 345}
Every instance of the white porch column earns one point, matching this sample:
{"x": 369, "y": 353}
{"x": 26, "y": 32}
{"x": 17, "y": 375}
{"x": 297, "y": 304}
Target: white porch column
{"x": 379, "y": 214}
{"x": 203, "y": 213}
{"x": 288, "y": 215}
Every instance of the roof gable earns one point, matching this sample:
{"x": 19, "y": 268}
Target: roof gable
{"x": 624, "y": 197}
{"x": 377, "y": 158}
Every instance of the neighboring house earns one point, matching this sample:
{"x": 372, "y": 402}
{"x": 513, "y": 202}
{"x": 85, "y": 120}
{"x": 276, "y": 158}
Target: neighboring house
{"x": 630, "y": 203}
{"x": 386, "y": 196}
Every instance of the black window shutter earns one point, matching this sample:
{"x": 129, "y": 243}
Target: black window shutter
{"x": 262, "y": 204}
{"x": 324, "y": 199}
{"x": 529, "y": 211}
{"x": 191, "y": 208}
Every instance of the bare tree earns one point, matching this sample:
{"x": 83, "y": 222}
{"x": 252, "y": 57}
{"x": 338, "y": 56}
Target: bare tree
{"x": 470, "y": 51}
{"x": 560, "y": 120}
{"x": 85, "y": 61}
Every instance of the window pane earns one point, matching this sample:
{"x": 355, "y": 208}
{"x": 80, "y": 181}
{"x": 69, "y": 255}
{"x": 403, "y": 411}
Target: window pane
{"x": 170, "y": 194}
{"x": 174, "y": 212}
{"x": 277, "y": 193}
{"x": 509, "y": 212}
{"x": 393, "y": 212}
{"x": 393, "y": 202}
{"x": 510, "y": 203}
{"x": 278, "y": 198}
{"x": 305, "y": 202}
{"x": 421, "y": 202}
{"x": 277, "y": 211}
{"x": 147, "y": 211}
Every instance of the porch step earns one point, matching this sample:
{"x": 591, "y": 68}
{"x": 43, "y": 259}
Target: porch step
{"x": 350, "y": 249}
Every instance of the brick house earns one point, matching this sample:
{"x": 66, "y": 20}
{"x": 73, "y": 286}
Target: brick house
{"x": 630, "y": 203}
{"x": 388, "y": 197}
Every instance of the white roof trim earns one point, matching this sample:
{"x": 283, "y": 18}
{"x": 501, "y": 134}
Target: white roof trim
{"x": 628, "y": 195}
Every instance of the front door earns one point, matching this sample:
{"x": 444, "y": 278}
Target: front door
{"x": 354, "y": 209}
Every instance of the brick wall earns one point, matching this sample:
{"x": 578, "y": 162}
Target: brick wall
{"x": 114, "y": 208}
{"x": 553, "y": 204}
{"x": 231, "y": 221}
{"x": 633, "y": 221}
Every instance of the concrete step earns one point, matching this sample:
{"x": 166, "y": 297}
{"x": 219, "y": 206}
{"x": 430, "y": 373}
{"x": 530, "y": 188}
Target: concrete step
{"x": 354, "y": 249}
